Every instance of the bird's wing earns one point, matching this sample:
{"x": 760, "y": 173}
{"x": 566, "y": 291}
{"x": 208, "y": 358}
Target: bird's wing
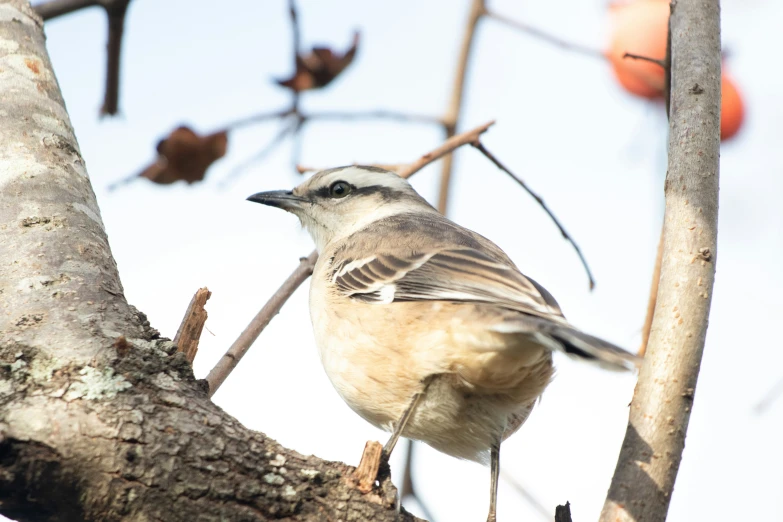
{"x": 465, "y": 274}
{"x": 447, "y": 274}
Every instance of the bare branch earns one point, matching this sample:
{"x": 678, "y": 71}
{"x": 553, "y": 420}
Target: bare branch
{"x": 542, "y": 204}
{"x": 296, "y": 33}
{"x": 56, "y": 8}
{"x": 379, "y": 114}
{"x": 115, "y": 12}
{"x": 231, "y": 358}
{"x": 448, "y": 146}
{"x": 408, "y": 490}
{"x": 656, "y": 61}
{"x": 656, "y": 277}
{"x": 546, "y": 37}
{"x": 770, "y": 397}
{"x": 527, "y": 495}
{"x": 478, "y": 9}
{"x": 660, "y": 411}
{"x": 285, "y": 130}
{"x": 294, "y": 129}
{"x": 189, "y": 331}
{"x": 255, "y": 119}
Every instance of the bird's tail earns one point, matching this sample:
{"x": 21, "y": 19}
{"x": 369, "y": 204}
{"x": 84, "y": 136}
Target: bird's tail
{"x": 592, "y": 349}
{"x": 558, "y": 335}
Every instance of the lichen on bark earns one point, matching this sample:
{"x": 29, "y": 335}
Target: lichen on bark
{"x": 92, "y": 428}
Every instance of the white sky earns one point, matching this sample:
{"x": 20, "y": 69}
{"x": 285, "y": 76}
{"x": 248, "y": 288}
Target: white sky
{"x": 596, "y": 155}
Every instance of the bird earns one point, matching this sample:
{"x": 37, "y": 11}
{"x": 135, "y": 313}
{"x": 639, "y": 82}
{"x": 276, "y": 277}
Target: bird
{"x": 427, "y": 329}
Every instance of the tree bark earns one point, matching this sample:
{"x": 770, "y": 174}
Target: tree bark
{"x": 660, "y": 411}
{"x": 100, "y": 418}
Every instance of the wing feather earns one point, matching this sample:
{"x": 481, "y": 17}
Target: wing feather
{"x": 428, "y": 258}
{"x": 450, "y": 274}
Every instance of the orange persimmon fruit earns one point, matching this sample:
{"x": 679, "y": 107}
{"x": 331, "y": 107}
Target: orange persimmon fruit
{"x": 732, "y": 109}
{"x": 641, "y": 28}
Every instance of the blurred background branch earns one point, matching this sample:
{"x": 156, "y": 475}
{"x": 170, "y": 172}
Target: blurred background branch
{"x": 115, "y": 16}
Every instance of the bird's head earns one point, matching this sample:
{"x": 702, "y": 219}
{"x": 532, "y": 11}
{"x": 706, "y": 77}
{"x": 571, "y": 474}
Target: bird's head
{"x": 335, "y": 203}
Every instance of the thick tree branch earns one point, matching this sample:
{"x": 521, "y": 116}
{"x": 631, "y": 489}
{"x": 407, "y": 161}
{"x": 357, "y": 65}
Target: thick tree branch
{"x": 650, "y": 457}
{"x": 100, "y": 419}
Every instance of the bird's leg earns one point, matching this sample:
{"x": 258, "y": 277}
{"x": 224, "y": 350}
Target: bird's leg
{"x": 493, "y": 481}
{"x": 406, "y": 415}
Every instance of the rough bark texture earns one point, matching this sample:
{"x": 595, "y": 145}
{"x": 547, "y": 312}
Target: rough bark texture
{"x": 94, "y": 427}
{"x": 650, "y": 456}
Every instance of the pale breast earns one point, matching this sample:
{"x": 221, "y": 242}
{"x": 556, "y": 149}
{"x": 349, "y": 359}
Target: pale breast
{"x": 378, "y": 356}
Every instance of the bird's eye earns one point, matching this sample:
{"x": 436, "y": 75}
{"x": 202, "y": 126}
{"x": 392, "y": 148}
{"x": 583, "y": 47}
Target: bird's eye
{"x": 339, "y": 189}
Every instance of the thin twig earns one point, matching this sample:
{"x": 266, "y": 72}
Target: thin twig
{"x": 477, "y": 144}
{"x": 408, "y": 490}
{"x": 478, "y": 9}
{"x": 406, "y": 170}
{"x": 653, "y": 299}
{"x": 231, "y": 358}
{"x": 667, "y": 65}
{"x": 297, "y": 142}
{"x": 378, "y": 114}
{"x": 770, "y": 397}
{"x": 656, "y": 277}
{"x": 656, "y": 61}
{"x": 255, "y": 119}
{"x": 278, "y": 138}
{"x": 448, "y": 146}
{"x": 296, "y": 33}
{"x": 546, "y": 37}
{"x": 295, "y": 128}
{"x": 527, "y": 495}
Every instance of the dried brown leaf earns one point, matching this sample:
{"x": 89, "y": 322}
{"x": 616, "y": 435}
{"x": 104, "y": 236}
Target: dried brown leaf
{"x": 186, "y": 156}
{"x": 319, "y": 67}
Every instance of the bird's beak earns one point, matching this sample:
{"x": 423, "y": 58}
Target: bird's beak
{"x": 284, "y": 199}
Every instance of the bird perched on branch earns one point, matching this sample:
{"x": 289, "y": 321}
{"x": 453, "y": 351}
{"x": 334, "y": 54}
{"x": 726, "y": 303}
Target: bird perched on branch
{"x": 427, "y": 329}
